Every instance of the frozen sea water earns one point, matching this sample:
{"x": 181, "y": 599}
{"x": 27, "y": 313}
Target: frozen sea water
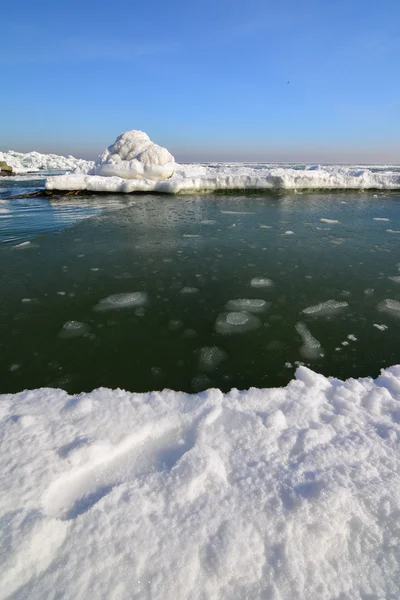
{"x": 140, "y": 244}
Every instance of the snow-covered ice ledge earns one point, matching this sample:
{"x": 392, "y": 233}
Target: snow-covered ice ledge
{"x": 266, "y": 493}
{"x": 135, "y": 164}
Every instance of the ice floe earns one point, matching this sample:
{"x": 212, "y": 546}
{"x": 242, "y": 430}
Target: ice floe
{"x": 198, "y": 178}
{"x": 252, "y": 305}
{"x": 311, "y": 347}
{"x": 236, "y": 322}
{"x": 125, "y": 300}
{"x": 325, "y": 309}
{"x": 261, "y": 282}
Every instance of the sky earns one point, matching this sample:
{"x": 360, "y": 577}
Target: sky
{"x": 210, "y": 80}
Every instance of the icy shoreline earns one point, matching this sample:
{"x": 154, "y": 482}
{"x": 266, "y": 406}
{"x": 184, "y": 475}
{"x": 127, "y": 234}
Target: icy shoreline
{"x": 195, "y": 178}
{"x": 265, "y": 493}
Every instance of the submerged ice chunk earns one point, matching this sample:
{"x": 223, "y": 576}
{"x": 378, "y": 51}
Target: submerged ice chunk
{"x": 261, "y": 282}
{"x": 134, "y": 156}
{"x": 247, "y": 304}
{"x": 72, "y": 329}
{"x": 236, "y": 322}
{"x": 391, "y": 307}
{"x": 311, "y": 347}
{"x": 127, "y": 300}
{"x": 210, "y": 358}
{"x": 324, "y": 309}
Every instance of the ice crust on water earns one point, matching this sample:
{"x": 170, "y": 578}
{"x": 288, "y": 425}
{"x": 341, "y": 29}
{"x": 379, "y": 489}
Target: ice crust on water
{"x": 236, "y": 322}
{"x": 282, "y": 493}
{"x": 125, "y": 300}
{"x": 324, "y": 309}
{"x": 134, "y": 156}
{"x": 311, "y": 347}
{"x": 213, "y": 177}
{"x": 251, "y": 305}
{"x": 32, "y": 162}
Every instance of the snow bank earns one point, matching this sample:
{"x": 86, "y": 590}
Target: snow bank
{"x": 209, "y": 178}
{"x": 33, "y": 162}
{"x": 275, "y": 493}
{"x": 134, "y": 156}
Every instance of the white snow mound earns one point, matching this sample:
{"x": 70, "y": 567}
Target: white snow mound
{"x": 267, "y": 493}
{"x": 134, "y": 156}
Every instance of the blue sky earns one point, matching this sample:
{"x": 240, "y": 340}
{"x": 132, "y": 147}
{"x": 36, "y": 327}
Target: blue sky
{"x": 207, "y": 79}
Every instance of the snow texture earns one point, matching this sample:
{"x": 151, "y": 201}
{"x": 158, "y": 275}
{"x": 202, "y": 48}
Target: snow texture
{"x": 33, "y": 162}
{"x": 264, "y": 494}
{"x": 134, "y": 156}
{"x": 213, "y": 177}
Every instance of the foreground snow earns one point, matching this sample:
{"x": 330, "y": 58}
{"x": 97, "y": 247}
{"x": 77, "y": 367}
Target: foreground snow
{"x": 275, "y": 493}
{"x": 208, "y": 178}
{"x": 32, "y": 162}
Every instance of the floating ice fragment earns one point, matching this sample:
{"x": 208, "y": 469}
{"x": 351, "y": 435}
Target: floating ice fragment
{"x": 261, "y": 282}
{"x": 72, "y": 329}
{"x": 236, "y": 322}
{"x": 380, "y": 219}
{"x": 236, "y": 212}
{"x": 330, "y": 307}
{"x": 396, "y": 278}
{"x": 247, "y": 304}
{"x": 23, "y": 245}
{"x": 380, "y": 327}
{"x": 311, "y": 347}
{"x": 126, "y": 300}
{"x": 392, "y": 231}
{"x": 289, "y": 233}
{"x": 352, "y": 337}
{"x": 330, "y": 221}
{"x": 210, "y": 358}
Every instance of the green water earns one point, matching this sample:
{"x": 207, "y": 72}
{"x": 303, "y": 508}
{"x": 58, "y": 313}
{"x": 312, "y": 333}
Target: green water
{"x": 216, "y": 244}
